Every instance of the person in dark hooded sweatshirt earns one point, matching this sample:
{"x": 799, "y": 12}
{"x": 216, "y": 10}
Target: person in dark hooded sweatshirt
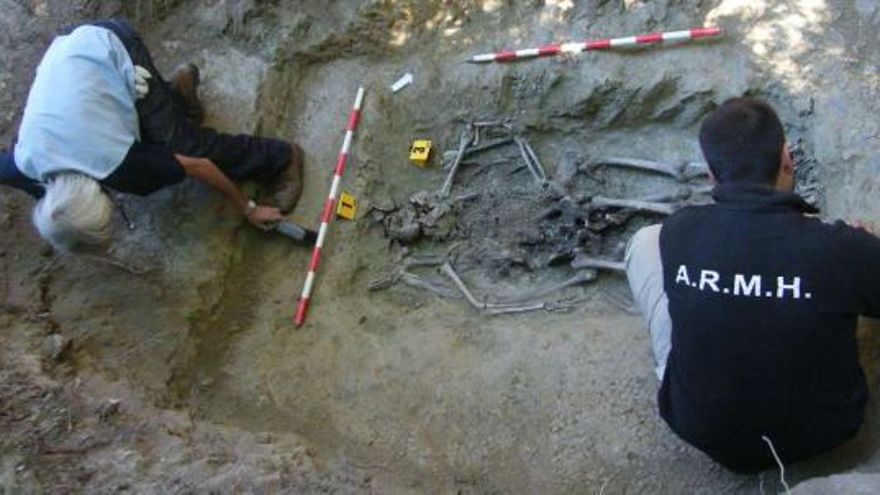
{"x": 752, "y": 305}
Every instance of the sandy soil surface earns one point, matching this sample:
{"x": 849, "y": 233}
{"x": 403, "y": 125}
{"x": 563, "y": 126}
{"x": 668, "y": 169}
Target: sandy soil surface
{"x": 187, "y": 376}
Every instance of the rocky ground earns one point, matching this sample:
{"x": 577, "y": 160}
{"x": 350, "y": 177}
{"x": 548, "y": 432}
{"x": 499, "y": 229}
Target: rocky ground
{"x": 178, "y": 370}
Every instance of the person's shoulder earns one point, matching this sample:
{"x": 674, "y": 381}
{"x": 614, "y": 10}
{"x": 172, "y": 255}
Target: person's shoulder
{"x": 830, "y": 228}
{"x": 689, "y": 214}
{"x": 844, "y": 232}
{"x": 836, "y": 236}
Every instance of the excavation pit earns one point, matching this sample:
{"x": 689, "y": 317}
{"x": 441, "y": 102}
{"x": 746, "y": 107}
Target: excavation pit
{"x": 410, "y": 389}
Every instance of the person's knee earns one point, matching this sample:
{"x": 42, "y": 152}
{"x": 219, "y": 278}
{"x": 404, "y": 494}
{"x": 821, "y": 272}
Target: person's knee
{"x": 280, "y": 156}
{"x": 645, "y": 239}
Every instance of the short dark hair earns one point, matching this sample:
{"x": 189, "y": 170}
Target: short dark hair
{"x": 742, "y": 141}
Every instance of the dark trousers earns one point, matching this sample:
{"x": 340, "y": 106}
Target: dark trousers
{"x": 163, "y": 121}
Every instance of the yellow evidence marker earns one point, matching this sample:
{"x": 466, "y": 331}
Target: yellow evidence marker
{"x": 420, "y": 151}
{"x": 347, "y": 206}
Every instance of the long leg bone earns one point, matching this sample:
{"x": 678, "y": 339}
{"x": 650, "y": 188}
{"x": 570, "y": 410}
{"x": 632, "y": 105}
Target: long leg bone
{"x": 464, "y": 141}
{"x": 581, "y": 277}
{"x": 536, "y": 163}
{"x": 680, "y": 172}
{"x": 490, "y": 308}
{"x": 398, "y": 274}
{"x": 516, "y": 309}
{"x": 520, "y": 142}
{"x": 635, "y": 204}
{"x": 423, "y": 283}
{"x": 639, "y": 164}
{"x": 450, "y": 272}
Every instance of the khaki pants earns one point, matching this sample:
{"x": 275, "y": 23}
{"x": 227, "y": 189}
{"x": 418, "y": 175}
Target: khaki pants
{"x": 644, "y": 270}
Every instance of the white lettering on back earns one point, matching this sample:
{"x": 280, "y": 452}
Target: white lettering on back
{"x": 794, "y": 287}
{"x": 710, "y": 278}
{"x": 682, "y": 275}
{"x": 741, "y": 288}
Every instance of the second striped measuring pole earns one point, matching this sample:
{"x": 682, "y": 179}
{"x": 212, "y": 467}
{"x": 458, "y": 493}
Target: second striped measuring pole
{"x": 603, "y": 44}
{"x": 329, "y": 208}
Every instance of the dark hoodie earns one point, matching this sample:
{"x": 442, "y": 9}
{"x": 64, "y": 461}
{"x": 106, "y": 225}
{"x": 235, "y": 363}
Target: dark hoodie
{"x": 764, "y": 301}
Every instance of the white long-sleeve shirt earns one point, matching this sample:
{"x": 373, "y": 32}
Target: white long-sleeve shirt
{"x": 80, "y": 114}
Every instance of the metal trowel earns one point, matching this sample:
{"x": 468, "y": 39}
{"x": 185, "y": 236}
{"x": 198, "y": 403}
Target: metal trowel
{"x": 297, "y": 233}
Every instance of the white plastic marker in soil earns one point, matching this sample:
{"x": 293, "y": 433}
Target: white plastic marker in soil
{"x": 403, "y": 82}
{"x": 551, "y": 50}
{"x": 329, "y": 208}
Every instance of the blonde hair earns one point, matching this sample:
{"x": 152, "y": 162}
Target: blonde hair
{"x": 74, "y": 211}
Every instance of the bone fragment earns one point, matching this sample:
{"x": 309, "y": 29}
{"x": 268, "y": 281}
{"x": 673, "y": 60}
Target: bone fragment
{"x": 597, "y": 263}
{"x": 493, "y": 123}
{"x": 398, "y": 274}
{"x": 488, "y": 146}
{"x": 118, "y": 264}
{"x": 450, "y": 155}
{"x": 686, "y": 193}
{"x": 466, "y": 197}
{"x": 692, "y": 170}
{"x": 567, "y": 168}
{"x": 635, "y": 204}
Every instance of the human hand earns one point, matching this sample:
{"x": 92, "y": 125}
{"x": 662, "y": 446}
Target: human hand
{"x": 263, "y": 217}
{"x": 141, "y": 81}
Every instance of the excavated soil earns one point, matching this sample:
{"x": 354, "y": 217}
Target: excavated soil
{"x": 188, "y": 376}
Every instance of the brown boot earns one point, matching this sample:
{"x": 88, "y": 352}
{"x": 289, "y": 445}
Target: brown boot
{"x": 185, "y": 81}
{"x": 283, "y": 191}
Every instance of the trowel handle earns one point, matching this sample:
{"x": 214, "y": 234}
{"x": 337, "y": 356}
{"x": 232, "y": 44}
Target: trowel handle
{"x": 296, "y": 232}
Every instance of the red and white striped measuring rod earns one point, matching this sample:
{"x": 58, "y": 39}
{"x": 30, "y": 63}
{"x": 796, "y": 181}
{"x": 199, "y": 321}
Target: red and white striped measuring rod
{"x": 551, "y": 50}
{"x": 329, "y": 208}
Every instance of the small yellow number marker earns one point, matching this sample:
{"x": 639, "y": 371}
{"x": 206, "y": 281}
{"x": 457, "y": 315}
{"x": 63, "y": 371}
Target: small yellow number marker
{"x": 347, "y": 207}
{"x": 420, "y": 151}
